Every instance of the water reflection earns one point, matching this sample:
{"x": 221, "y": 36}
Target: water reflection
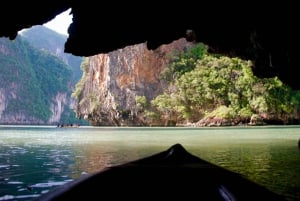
{"x": 268, "y": 164}
{"x": 36, "y": 160}
{"x": 28, "y": 167}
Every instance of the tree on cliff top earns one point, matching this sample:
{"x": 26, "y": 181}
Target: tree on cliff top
{"x": 206, "y": 83}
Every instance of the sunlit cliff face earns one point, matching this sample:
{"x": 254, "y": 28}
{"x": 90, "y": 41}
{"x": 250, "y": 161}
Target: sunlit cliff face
{"x": 113, "y": 80}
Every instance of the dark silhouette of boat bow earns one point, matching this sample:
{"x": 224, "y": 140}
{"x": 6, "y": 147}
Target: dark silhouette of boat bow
{"x": 171, "y": 174}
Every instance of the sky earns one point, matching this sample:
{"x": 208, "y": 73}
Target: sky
{"x": 61, "y": 22}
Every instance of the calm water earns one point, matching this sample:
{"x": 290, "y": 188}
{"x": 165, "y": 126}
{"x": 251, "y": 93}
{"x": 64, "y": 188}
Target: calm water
{"x": 34, "y": 160}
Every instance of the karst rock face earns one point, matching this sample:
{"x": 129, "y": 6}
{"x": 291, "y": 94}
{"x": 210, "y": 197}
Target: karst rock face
{"x": 267, "y": 34}
{"x": 112, "y": 81}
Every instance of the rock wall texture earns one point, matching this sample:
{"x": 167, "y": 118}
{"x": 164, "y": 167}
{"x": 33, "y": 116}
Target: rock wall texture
{"x": 57, "y": 108}
{"x": 113, "y": 80}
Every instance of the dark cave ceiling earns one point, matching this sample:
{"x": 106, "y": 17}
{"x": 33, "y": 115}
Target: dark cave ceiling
{"x": 268, "y": 35}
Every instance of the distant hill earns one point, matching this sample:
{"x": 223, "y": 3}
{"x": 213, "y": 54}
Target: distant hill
{"x": 35, "y": 82}
{"x": 46, "y": 39}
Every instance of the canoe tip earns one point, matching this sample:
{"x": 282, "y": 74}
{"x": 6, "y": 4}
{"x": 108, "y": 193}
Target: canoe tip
{"x": 177, "y": 148}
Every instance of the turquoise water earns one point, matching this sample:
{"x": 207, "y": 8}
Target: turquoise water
{"x": 34, "y": 159}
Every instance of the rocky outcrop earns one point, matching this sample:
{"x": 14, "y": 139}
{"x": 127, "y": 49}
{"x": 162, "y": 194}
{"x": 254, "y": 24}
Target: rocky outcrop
{"x": 6, "y": 95}
{"x": 2, "y": 102}
{"x": 113, "y": 80}
{"x": 57, "y": 107}
{"x": 28, "y": 93}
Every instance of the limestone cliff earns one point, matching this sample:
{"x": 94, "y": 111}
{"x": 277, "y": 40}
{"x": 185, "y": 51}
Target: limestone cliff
{"x": 35, "y": 85}
{"x": 112, "y": 81}
{"x": 57, "y": 107}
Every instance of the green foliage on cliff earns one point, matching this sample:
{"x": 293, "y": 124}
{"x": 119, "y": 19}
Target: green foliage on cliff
{"x": 182, "y": 62}
{"x": 52, "y": 74}
{"x": 77, "y": 93}
{"x": 30, "y": 78}
{"x": 37, "y": 78}
{"x": 46, "y": 39}
{"x": 206, "y": 86}
{"x": 141, "y": 102}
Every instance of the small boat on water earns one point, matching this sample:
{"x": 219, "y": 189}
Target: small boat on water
{"x": 68, "y": 126}
{"x": 173, "y": 174}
